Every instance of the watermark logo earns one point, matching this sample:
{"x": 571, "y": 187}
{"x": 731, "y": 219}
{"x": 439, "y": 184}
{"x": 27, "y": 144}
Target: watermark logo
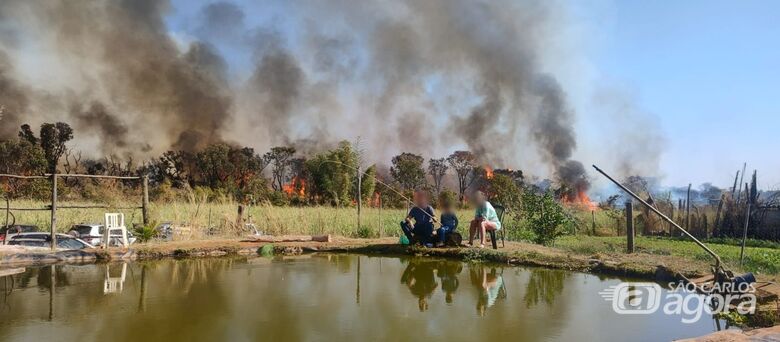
{"x": 683, "y": 300}
{"x": 634, "y": 298}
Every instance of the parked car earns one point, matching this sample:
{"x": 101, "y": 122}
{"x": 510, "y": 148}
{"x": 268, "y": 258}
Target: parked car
{"x": 16, "y": 229}
{"x": 92, "y": 233}
{"x": 41, "y": 239}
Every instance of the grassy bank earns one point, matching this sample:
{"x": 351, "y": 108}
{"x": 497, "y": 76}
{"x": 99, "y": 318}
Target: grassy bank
{"x": 761, "y": 257}
{"x": 221, "y": 217}
{"x": 757, "y": 259}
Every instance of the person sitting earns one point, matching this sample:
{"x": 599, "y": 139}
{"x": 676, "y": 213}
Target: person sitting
{"x": 449, "y": 221}
{"x": 485, "y": 219}
{"x": 418, "y": 225}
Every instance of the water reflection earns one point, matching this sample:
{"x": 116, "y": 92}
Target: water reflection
{"x": 489, "y": 284}
{"x": 319, "y": 297}
{"x": 419, "y": 278}
{"x": 544, "y": 285}
{"x": 114, "y": 283}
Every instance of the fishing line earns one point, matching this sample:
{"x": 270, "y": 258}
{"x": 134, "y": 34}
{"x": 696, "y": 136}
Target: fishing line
{"x": 382, "y": 183}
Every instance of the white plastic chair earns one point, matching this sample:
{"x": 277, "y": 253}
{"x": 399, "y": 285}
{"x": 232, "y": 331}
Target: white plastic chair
{"x": 115, "y": 222}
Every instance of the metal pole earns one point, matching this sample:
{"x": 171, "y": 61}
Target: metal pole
{"x": 744, "y": 235}
{"x": 629, "y": 227}
{"x": 702, "y": 245}
{"x": 53, "y": 211}
{"x": 145, "y": 201}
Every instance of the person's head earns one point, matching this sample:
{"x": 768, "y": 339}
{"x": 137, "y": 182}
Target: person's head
{"x": 420, "y": 198}
{"x": 478, "y": 199}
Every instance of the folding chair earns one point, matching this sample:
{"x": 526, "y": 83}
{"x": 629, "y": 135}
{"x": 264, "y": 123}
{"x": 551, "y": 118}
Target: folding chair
{"x": 500, "y": 213}
{"x": 115, "y": 222}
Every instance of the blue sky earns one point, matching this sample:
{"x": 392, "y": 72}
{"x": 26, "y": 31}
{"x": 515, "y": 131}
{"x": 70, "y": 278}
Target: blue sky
{"x": 707, "y": 70}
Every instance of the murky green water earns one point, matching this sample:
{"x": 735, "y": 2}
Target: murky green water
{"x": 319, "y": 298}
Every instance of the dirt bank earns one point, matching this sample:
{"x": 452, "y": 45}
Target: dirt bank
{"x": 645, "y": 266}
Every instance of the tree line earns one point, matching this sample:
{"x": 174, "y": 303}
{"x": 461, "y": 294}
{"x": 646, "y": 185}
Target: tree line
{"x": 222, "y": 170}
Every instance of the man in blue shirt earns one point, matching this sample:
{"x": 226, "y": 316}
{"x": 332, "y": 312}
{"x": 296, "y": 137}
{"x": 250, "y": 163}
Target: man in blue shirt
{"x": 418, "y": 225}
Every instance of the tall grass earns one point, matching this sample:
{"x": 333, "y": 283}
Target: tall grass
{"x": 220, "y": 218}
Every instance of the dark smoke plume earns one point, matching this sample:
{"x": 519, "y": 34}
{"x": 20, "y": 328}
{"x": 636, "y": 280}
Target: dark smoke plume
{"x": 421, "y": 76}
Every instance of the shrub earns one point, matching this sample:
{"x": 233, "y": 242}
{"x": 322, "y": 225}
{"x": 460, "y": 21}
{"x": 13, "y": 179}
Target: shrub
{"x": 545, "y": 216}
{"x": 145, "y": 233}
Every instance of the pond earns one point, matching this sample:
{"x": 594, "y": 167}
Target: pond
{"x": 319, "y": 297}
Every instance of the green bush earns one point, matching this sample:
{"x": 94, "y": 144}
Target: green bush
{"x": 545, "y": 216}
{"x": 145, "y": 233}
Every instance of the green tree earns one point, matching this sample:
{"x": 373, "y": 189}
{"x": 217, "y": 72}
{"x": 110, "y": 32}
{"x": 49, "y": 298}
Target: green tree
{"x": 22, "y": 158}
{"x": 332, "y": 174}
{"x": 280, "y": 158}
{"x": 368, "y": 183}
{"x": 247, "y": 166}
{"x": 214, "y": 164}
{"x": 465, "y": 165}
{"x": 407, "y": 170}
{"x": 502, "y": 189}
{"x": 27, "y": 134}
{"x": 545, "y": 216}
{"x": 437, "y": 168}
{"x": 53, "y": 138}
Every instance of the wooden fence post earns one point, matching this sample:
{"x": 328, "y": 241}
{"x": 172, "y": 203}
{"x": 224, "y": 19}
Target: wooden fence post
{"x": 53, "y": 211}
{"x": 629, "y": 227}
{"x": 240, "y": 217}
{"x": 145, "y": 201}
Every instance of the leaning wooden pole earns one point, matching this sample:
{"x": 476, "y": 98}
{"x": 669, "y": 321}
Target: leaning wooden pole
{"x": 53, "y": 211}
{"x": 744, "y": 235}
{"x": 667, "y": 219}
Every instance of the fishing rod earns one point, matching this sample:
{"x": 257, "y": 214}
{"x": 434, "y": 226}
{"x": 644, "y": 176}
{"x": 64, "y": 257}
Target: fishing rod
{"x": 376, "y": 179}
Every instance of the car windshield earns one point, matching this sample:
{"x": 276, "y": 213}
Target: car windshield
{"x": 69, "y": 243}
{"x": 83, "y": 230}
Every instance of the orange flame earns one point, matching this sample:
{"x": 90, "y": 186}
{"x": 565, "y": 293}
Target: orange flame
{"x": 297, "y": 187}
{"x": 580, "y": 199}
{"x": 488, "y": 172}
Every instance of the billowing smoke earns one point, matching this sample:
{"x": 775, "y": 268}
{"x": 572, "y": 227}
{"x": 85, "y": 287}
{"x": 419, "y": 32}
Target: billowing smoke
{"x": 13, "y": 99}
{"x": 418, "y": 76}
